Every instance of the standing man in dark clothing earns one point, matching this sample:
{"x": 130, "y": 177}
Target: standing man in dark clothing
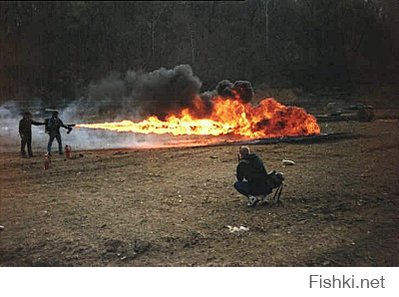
{"x": 25, "y": 131}
{"x": 252, "y": 169}
{"x": 53, "y": 129}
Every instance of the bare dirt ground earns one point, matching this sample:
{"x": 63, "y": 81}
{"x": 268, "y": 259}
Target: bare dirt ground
{"x": 170, "y": 207}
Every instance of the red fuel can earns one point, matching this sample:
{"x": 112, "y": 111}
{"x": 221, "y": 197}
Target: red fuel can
{"x": 68, "y": 151}
{"x": 47, "y": 161}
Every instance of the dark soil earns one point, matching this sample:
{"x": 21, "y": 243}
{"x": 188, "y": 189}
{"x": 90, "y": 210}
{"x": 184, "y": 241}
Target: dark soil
{"x": 170, "y": 207}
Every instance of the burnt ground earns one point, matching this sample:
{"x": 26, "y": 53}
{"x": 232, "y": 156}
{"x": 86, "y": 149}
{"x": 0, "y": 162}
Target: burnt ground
{"x": 170, "y": 207}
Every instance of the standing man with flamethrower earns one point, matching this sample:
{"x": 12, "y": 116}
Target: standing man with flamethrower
{"x": 53, "y": 126}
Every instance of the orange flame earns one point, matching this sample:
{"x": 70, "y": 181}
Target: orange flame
{"x": 228, "y": 116}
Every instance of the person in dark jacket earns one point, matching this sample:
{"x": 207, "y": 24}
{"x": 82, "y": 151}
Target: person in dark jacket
{"x": 25, "y": 131}
{"x": 251, "y": 177}
{"x": 53, "y": 129}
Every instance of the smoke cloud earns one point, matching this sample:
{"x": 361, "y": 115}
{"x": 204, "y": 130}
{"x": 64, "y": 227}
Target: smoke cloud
{"x": 158, "y": 92}
{"x": 241, "y": 88}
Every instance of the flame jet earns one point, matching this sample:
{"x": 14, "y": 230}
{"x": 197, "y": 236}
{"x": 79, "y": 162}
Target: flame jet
{"x": 226, "y": 116}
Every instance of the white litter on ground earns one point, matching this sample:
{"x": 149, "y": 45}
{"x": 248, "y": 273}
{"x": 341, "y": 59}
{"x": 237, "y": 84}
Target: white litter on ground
{"x": 288, "y": 162}
{"x": 237, "y": 229}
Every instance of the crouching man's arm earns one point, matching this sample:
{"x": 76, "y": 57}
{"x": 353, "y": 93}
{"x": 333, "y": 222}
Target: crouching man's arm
{"x": 240, "y": 171}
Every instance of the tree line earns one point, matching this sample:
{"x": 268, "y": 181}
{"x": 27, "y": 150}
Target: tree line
{"x": 52, "y": 50}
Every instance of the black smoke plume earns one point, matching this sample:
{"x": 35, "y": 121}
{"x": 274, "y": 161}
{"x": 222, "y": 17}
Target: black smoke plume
{"x": 158, "y": 92}
{"x": 242, "y": 88}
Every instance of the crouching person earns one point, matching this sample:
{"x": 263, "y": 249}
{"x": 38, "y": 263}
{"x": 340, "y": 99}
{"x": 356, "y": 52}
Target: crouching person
{"x": 251, "y": 177}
